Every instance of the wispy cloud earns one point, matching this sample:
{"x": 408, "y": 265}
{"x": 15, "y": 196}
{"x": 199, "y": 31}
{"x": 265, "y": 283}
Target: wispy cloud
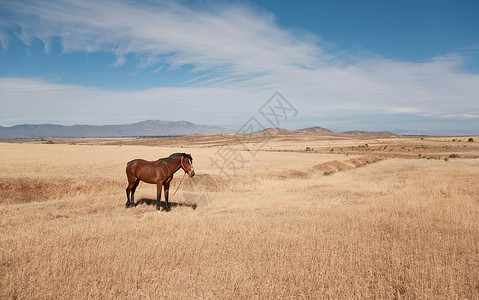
{"x": 241, "y": 56}
{"x": 231, "y": 40}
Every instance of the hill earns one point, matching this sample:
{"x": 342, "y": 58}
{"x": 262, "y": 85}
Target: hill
{"x": 385, "y": 134}
{"x": 316, "y": 130}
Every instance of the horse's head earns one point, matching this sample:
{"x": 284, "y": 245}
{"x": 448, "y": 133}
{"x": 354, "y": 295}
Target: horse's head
{"x": 187, "y": 164}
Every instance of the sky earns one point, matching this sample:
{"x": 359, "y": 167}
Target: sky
{"x": 403, "y": 66}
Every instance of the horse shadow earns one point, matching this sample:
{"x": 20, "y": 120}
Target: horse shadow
{"x": 147, "y": 201}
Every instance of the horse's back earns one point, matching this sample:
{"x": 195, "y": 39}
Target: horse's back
{"x": 135, "y": 161}
{"x": 144, "y": 170}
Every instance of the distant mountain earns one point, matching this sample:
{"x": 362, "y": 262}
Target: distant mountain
{"x": 273, "y": 131}
{"x": 305, "y": 131}
{"x": 369, "y": 133}
{"x": 145, "y": 128}
{"x": 324, "y": 132}
{"x": 315, "y": 130}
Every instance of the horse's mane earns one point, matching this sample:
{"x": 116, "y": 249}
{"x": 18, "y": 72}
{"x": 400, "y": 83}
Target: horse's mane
{"x": 182, "y": 154}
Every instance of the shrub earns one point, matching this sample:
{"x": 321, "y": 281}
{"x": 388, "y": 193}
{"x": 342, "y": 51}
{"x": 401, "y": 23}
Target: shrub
{"x": 470, "y": 140}
{"x": 328, "y": 173}
{"x": 454, "y": 155}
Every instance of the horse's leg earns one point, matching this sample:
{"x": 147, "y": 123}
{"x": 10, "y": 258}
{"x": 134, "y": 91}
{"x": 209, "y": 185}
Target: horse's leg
{"x": 167, "y": 190}
{"x": 128, "y": 190}
{"x": 132, "y": 184}
{"x": 133, "y": 189}
{"x": 130, "y": 178}
{"x": 158, "y": 195}
{"x": 127, "y": 204}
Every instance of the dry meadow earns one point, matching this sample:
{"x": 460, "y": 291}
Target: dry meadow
{"x": 303, "y": 218}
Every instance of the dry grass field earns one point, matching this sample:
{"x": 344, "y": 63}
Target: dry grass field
{"x": 305, "y": 218}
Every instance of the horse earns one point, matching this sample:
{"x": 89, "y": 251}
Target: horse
{"x": 159, "y": 172}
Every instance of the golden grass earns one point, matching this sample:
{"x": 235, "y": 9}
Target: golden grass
{"x": 395, "y": 229}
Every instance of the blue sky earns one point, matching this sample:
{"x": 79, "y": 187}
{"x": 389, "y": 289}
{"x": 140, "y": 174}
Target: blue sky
{"x": 405, "y": 66}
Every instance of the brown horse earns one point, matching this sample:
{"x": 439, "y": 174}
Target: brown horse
{"x": 158, "y": 172}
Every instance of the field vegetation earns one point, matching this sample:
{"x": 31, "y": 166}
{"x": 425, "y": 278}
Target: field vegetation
{"x": 385, "y": 223}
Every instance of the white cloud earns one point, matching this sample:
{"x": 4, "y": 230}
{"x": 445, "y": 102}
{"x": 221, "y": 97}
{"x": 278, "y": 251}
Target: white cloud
{"x": 234, "y": 40}
{"x": 41, "y": 101}
{"x": 243, "y": 56}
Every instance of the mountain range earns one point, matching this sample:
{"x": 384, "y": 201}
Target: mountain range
{"x": 316, "y": 130}
{"x": 154, "y": 128}
{"x": 145, "y": 128}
